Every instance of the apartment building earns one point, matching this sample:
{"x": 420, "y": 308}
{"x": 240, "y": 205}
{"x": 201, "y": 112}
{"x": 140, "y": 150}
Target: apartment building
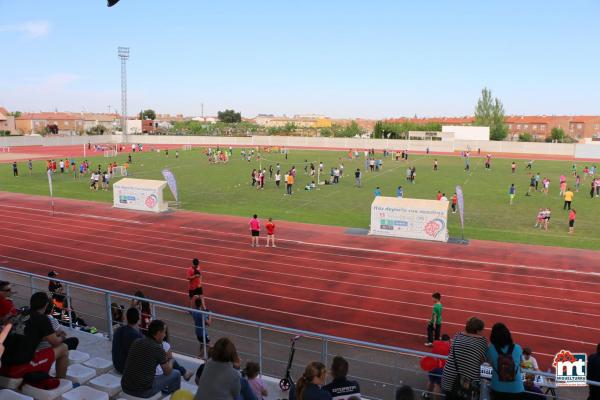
{"x": 67, "y": 123}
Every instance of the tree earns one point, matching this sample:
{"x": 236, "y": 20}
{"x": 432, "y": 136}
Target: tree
{"x": 229, "y": 116}
{"x": 148, "y": 114}
{"x": 15, "y": 114}
{"x": 525, "y": 137}
{"x": 490, "y": 112}
{"x": 557, "y": 134}
{"x": 96, "y": 130}
{"x": 352, "y": 130}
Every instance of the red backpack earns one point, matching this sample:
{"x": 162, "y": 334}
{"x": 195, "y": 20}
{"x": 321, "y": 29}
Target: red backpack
{"x": 507, "y": 369}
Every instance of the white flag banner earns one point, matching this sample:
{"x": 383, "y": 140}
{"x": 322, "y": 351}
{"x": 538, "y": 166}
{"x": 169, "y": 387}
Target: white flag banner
{"x": 50, "y": 180}
{"x": 170, "y": 178}
{"x": 461, "y": 206}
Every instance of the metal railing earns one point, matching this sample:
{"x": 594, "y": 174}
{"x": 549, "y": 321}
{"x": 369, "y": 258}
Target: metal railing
{"x": 378, "y": 368}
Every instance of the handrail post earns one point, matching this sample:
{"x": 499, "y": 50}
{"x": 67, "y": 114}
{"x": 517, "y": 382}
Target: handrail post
{"x": 324, "y": 351}
{"x": 31, "y": 284}
{"x": 109, "y": 315}
{"x": 69, "y": 308}
{"x": 260, "y": 349}
{"x": 204, "y": 350}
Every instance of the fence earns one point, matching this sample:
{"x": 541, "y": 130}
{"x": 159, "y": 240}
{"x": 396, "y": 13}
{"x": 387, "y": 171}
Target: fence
{"x": 584, "y": 151}
{"x": 379, "y": 369}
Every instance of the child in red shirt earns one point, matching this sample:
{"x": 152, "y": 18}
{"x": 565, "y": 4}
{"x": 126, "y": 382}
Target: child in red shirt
{"x": 270, "y": 232}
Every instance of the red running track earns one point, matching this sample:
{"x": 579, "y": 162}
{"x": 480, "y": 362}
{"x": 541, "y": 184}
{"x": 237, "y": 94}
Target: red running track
{"x": 22, "y": 153}
{"x": 319, "y": 278}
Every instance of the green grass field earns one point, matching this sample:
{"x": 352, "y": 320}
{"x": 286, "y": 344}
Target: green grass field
{"x": 225, "y": 189}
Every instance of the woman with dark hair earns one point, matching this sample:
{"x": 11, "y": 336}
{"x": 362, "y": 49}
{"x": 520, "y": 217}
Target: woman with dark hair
{"x": 309, "y": 385}
{"x": 505, "y": 357}
{"x": 116, "y": 312}
{"x": 144, "y": 309}
{"x": 467, "y": 353}
{"x": 219, "y": 379}
{"x": 341, "y": 387}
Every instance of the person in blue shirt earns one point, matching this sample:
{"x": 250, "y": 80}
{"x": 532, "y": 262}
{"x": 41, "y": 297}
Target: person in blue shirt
{"x": 511, "y": 193}
{"x": 377, "y": 191}
{"x": 197, "y": 302}
{"x": 124, "y": 337}
{"x": 399, "y": 192}
{"x": 507, "y": 380}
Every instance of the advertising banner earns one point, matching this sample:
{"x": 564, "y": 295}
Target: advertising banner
{"x": 139, "y": 194}
{"x": 170, "y": 178}
{"x": 461, "y": 206}
{"x": 410, "y": 218}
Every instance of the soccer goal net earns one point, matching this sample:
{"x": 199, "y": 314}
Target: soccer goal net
{"x": 5, "y": 149}
{"x": 186, "y": 147}
{"x": 110, "y": 153}
{"x": 119, "y": 170}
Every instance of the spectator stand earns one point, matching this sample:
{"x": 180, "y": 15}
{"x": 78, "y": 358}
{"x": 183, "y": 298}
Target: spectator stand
{"x": 379, "y": 369}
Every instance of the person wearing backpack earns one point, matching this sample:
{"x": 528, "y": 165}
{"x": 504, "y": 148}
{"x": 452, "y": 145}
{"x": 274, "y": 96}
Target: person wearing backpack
{"x": 505, "y": 357}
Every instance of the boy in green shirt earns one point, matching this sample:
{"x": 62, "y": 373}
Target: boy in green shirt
{"x": 435, "y": 324}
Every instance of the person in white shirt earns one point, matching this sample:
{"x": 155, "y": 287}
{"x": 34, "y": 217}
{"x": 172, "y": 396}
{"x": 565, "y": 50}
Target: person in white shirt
{"x": 277, "y": 179}
{"x": 444, "y": 198}
{"x": 528, "y": 361}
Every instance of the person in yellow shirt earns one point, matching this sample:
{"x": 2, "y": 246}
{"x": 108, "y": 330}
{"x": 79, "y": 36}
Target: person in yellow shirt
{"x": 568, "y": 199}
{"x": 290, "y": 183}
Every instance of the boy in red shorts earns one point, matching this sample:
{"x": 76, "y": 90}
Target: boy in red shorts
{"x": 270, "y": 232}
{"x": 194, "y": 277}
{"x": 29, "y": 329}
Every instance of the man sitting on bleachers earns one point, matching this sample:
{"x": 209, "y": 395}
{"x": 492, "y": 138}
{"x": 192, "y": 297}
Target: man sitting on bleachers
{"x": 123, "y": 339}
{"x": 144, "y": 356}
{"x": 29, "y": 329}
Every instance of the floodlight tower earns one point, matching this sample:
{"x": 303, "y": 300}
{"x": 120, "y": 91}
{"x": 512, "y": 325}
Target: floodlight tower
{"x": 124, "y": 56}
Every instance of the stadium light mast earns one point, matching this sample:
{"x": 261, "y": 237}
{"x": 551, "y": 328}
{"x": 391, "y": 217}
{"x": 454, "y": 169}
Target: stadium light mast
{"x": 124, "y": 56}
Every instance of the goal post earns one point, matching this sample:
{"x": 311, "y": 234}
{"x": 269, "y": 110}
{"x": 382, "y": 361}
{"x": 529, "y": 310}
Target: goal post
{"x": 5, "y": 149}
{"x": 119, "y": 170}
{"x": 110, "y": 153}
{"x": 186, "y": 147}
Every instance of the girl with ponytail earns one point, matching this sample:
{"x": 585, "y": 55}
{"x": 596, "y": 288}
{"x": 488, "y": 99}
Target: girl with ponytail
{"x": 309, "y": 385}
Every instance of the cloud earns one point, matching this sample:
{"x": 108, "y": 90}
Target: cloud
{"x": 30, "y": 29}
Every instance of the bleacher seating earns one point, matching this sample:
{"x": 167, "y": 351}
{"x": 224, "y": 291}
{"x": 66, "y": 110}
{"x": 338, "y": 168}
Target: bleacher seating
{"x": 108, "y": 383}
{"x": 84, "y": 393}
{"x": 41, "y": 394}
{"x": 7, "y": 394}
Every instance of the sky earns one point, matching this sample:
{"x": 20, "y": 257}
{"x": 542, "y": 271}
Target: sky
{"x": 343, "y": 59}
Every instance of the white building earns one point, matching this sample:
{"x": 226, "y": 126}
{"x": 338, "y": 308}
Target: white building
{"x": 461, "y": 132}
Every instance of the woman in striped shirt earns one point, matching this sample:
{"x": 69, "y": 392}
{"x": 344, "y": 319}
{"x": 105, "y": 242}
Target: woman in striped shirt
{"x": 467, "y": 353}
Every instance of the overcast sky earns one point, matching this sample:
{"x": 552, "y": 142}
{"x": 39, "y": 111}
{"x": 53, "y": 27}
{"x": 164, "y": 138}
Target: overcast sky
{"x": 368, "y": 59}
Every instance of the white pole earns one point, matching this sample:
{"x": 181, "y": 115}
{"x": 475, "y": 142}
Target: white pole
{"x": 84, "y": 150}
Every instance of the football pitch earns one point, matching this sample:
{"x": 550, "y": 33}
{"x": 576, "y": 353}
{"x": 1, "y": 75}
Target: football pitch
{"x": 225, "y": 188}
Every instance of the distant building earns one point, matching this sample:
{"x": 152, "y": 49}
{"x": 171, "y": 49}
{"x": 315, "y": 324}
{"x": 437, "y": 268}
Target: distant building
{"x": 109, "y": 121}
{"x": 67, "y": 123}
{"x": 579, "y": 127}
{"x": 300, "y": 121}
{"x": 206, "y": 120}
{"x": 7, "y": 122}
